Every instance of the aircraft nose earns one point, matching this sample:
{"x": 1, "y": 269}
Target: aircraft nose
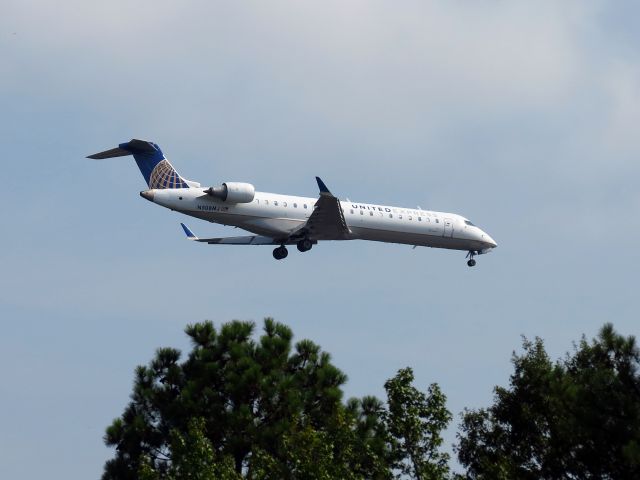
{"x": 488, "y": 240}
{"x": 148, "y": 194}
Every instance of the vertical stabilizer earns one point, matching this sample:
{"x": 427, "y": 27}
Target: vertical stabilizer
{"x": 155, "y": 168}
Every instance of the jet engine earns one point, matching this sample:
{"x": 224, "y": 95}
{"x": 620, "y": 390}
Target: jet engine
{"x": 233, "y": 192}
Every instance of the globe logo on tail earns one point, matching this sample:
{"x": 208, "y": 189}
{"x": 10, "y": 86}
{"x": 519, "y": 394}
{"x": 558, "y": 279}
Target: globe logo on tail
{"x": 164, "y": 176}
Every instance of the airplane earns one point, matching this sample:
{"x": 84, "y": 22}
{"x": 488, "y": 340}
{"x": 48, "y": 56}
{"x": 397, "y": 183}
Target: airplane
{"x": 283, "y": 220}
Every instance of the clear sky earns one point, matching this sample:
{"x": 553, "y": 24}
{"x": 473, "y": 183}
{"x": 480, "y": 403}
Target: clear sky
{"x": 522, "y": 116}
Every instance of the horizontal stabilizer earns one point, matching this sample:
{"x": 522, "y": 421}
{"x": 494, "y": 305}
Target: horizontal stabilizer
{"x": 132, "y": 147}
{"x": 114, "y": 152}
{"x": 140, "y": 146}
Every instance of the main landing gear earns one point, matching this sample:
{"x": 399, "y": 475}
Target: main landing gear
{"x": 304, "y": 245}
{"x": 280, "y": 253}
{"x": 470, "y": 255}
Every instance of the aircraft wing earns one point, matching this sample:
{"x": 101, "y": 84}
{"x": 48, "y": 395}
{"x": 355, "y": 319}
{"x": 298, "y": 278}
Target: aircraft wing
{"x": 244, "y": 240}
{"x": 326, "y": 222}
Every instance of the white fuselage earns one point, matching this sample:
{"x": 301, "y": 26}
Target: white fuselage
{"x": 276, "y": 216}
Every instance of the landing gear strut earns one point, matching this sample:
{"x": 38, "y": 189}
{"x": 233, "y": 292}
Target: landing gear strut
{"x": 280, "y": 253}
{"x": 470, "y": 256}
{"x": 304, "y": 245}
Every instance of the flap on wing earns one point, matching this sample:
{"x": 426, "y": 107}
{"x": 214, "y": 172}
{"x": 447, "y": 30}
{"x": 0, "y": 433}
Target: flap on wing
{"x": 246, "y": 240}
{"x": 327, "y": 221}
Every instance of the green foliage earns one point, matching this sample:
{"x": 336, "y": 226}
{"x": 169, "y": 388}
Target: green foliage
{"x": 309, "y": 454}
{"x": 371, "y": 442}
{"x": 268, "y": 409}
{"x": 415, "y": 421}
{"x": 576, "y": 418}
{"x": 247, "y": 392}
{"x": 192, "y": 458}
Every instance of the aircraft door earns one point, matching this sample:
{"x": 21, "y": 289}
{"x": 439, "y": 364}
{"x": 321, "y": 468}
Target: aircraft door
{"x": 448, "y": 227}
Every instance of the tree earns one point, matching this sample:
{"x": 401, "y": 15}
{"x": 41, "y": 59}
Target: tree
{"x": 268, "y": 409}
{"x": 576, "y": 418}
{"x": 248, "y": 394}
{"x": 192, "y": 457}
{"x": 414, "y": 422}
{"x": 371, "y": 444}
{"x": 310, "y": 454}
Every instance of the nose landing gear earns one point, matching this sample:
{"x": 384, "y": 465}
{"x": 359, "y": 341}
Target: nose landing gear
{"x": 280, "y": 253}
{"x": 470, "y": 255}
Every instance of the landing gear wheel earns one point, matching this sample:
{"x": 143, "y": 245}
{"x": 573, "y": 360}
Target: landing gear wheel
{"x": 470, "y": 255}
{"x": 304, "y": 245}
{"x": 280, "y": 253}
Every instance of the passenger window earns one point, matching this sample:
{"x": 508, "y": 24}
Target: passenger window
{"x": 410, "y": 217}
{"x": 352, "y": 211}
{"x": 284, "y": 204}
{"x": 419, "y": 219}
{"x": 437, "y": 221}
{"x": 361, "y": 212}
{"x": 266, "y": 202}
{"x": 391, "y": 215}
{"x": 275, "y": 202}
{"x": 295, "y": 205}
{"x": 400, "y": 217}
{"x": 371, "y": 214}
{"x": 305, "y": 205}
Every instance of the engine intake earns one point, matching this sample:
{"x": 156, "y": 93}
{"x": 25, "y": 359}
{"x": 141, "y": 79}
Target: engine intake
{"x": 233, "y": 192}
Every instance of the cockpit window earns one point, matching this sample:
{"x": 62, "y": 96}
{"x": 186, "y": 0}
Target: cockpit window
{"x": 469, "y": 223}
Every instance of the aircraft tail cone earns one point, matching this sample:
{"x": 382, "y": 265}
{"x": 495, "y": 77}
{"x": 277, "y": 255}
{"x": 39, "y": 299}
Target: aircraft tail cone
{"x": 148, "y": 194}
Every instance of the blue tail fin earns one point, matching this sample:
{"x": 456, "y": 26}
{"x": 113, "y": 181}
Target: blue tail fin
{"x": 153, "y": 165}
{"x": 155, "y": 168}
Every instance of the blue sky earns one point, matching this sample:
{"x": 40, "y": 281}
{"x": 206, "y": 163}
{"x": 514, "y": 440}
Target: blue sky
{"x": 522, "y": 116}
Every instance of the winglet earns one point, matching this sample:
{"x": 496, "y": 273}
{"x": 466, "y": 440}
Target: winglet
{"x": 323, "y": 188}
{"x": 189, "y": 233}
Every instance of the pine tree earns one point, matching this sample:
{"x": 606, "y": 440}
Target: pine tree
{"x": 268, "y": 409}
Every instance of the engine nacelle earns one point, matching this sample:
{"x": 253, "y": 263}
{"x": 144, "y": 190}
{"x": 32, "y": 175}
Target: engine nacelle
{"x": 233, "y": 192}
